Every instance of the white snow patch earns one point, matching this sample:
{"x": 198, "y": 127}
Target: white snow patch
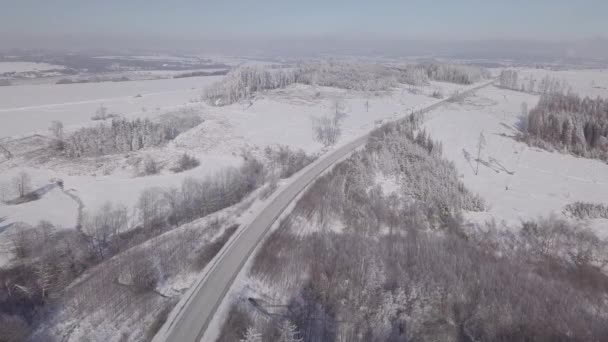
{"x": 517, "y": 181}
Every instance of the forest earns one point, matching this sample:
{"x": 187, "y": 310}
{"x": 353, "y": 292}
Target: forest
{"x": 570, "y": 123}
{"x": 353, "y": 262}
{"x": 244, "y": 82}
{"x": 122, "y": 135}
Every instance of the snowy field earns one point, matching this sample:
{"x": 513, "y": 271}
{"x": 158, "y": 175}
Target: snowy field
{"x": 517, "y": 181}
{"x": 592, "y": 83}
{"x": 26, "y": 66}
{"x": 31, "y": 108}
{"x": 281, "y": 116}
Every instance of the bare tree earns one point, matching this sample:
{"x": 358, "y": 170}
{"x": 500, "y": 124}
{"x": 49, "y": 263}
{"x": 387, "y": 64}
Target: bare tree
{"x": 327, "y": 129}
{"x": 6, "y": 152}
{"x": 522, "y": 123}
{"x": 481, "y": 143}
{"x": 338, "y": 106}
{"x": 104, "y": 227}
{"x": 153, "y": 208}
{"x": 22, "y": 183}
{"x": 5, "y": 190}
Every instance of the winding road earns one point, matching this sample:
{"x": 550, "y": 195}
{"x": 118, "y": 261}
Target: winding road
{"x": 192, "y": 315}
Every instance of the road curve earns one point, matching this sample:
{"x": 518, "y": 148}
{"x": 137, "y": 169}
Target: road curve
{"x": 191, "y": 316}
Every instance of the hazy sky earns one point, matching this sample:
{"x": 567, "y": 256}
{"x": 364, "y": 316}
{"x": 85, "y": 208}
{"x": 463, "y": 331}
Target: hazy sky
{"x": 466, "y": 19}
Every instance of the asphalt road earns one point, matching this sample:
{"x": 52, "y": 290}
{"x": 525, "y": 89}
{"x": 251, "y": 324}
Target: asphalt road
{"x": 191, "y": 316}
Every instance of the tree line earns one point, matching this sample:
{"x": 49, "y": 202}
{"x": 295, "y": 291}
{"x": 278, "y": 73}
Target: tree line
{"x": 509, "y": 79}
{"x": 122, "y": 135}
{"x": 243, "y": 82}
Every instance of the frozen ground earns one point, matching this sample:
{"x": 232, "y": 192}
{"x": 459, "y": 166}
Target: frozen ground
{"x": 517, "y": 181}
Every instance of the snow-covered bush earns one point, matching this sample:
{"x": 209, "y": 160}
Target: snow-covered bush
{"x": 437, "y": 94}
{"x": 102, "y": 114}
{"x": 286, "y": 161}
{"x": 185, "y": 162}
{"x": 149, "y": 166}
{"x": 586, "y": 210}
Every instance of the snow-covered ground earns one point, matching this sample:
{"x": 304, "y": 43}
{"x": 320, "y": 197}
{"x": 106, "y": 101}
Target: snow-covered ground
{"x": 285, "y": 116}
{"x": 517, "y": 181}
{"x": 27, "y": 66}
{"x": 593, "y": 82}
{"x": 31, "y": 108}
{"x": 281, "y": 116}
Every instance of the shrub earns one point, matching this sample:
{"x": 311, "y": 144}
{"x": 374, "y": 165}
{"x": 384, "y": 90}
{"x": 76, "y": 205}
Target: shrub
{"x": 286, "y": 160}
{"x": 186, "y": 162}
{"x": 586, "y": 210}
{"x": 149, "y": 166}
{"x": 143, "y": 273}
{"x": 102, "y": 114}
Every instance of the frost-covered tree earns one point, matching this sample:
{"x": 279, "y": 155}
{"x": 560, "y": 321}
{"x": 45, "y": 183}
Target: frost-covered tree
{"x": 122, "y": 135}
{"x": 509, "y": 79}
{"x": 252, "y": 335}
{"x": 567, "y": 121}
{"x": 455, "y": 73}
{"x": 289, "y": 332}
{"x": 413, "y": 75}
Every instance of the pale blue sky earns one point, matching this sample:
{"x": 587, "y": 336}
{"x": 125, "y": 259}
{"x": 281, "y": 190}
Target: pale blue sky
{"x": 465, "y": 19}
